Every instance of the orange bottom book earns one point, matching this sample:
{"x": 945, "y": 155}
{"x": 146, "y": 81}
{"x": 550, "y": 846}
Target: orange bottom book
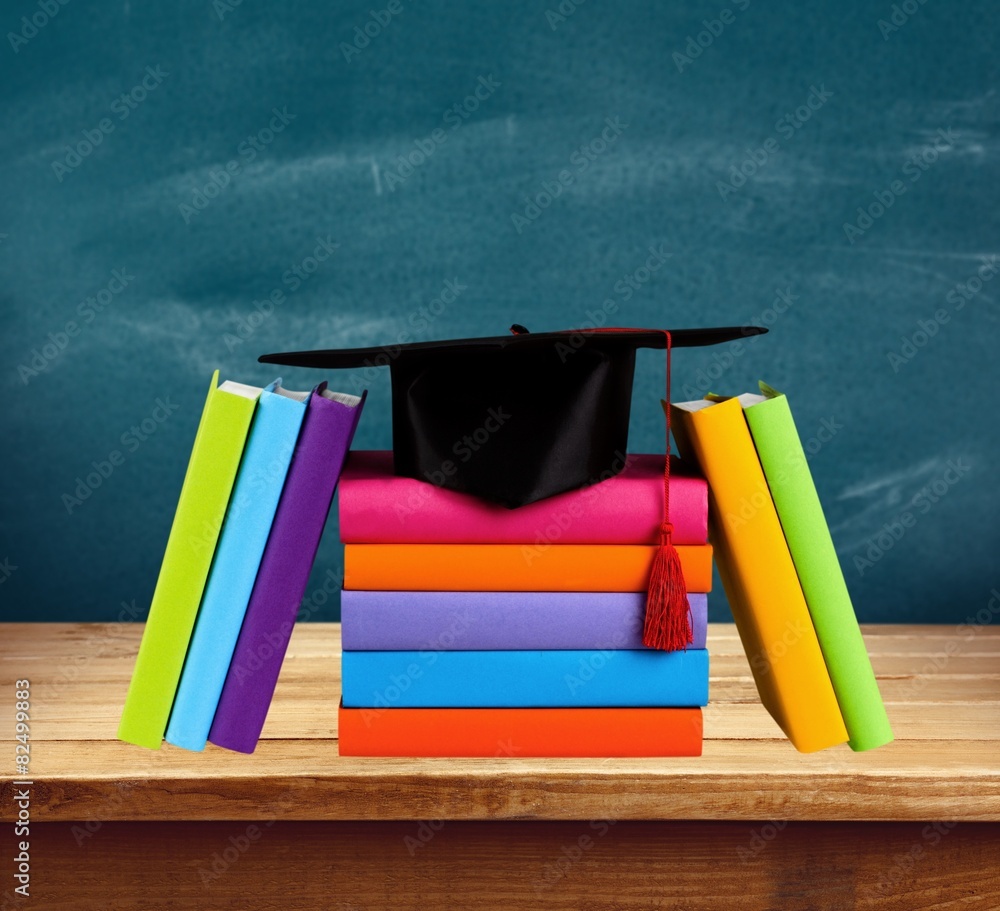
{"x": 596, "y": 733}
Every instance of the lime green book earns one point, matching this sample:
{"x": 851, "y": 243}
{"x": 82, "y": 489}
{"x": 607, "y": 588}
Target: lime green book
{"x": 208, "y": 483}
{"x": 811, "y": 546}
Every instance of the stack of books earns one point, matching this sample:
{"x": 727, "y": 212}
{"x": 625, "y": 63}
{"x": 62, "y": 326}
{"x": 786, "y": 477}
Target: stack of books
{"x": 470, "y": 629}
{"x": 255, "y": 498}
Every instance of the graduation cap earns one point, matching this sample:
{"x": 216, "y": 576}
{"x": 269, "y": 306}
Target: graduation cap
{"x": 517, "y": 418}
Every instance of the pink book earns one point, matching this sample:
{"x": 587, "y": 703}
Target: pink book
{"x": 376, "y": 507}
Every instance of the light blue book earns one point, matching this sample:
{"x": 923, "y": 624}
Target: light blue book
{"x": 520, "y": 679}
{"x": 241, "y": 545}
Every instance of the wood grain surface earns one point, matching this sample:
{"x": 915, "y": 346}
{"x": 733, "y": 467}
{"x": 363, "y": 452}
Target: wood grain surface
{"x": 751, "y": 825}
{"x": 942, "y": 686}
{"x": 572, "y": 866}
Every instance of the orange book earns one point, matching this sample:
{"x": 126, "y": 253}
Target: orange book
{"x": 525, "y": 733}
{"x": 515, "y": 567}
{"x": 758, "y": 575}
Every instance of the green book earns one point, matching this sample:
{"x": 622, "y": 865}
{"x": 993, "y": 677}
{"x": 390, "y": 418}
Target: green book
{"x": 208, "y": 483}
{"x": 809, "y": 542}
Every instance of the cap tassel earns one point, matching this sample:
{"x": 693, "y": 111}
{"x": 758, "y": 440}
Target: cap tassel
{"x": 668, "y": 613}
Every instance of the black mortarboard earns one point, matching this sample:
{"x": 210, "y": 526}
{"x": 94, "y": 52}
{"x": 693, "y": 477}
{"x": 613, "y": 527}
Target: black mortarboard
{"x": 517, "y": 418}
{"x": 513, "y": 418}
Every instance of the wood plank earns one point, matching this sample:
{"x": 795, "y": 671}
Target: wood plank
{"x": 916, "y": 721}
{"x": 146, "y": 821}
{"x": 111, "y": 660}
{"x": 764, "y": 779}
{"x": 896, "y": 639}
{"x": 83, "y": 641}
{"x": 944, "y": 764}
{"x": 87, "y": 691}
{"x": 91, "y": 704}
{"x": 305, "y": 706}
{"x": 307, "y": 710}
{"x": 721, "y": 665}
{"x": 593, "y": 864}
{"x": 979, "y": 689}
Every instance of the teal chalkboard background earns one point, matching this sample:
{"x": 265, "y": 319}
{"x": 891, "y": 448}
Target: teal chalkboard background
{"x": 247, "y": 149}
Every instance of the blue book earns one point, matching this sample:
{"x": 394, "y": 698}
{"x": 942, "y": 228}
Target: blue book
{"x": 524, "y": 679}
{"x": 244, "y": 535}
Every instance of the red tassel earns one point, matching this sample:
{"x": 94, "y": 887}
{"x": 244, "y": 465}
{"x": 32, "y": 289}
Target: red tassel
{"x": 668, "y": 613}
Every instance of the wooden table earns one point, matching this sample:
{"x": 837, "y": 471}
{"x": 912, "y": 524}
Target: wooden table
{"x": 751, "y": 824}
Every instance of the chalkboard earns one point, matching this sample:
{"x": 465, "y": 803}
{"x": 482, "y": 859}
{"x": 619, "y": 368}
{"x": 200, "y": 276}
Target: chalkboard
{"x": 187, "y": 185}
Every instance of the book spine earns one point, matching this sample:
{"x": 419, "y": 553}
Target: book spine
{"x": 208, "y": 483}
{"x": 248, "y": 522}
{"x": 815, "y": 558}
{"x": 525, "y": 679}
{"x": 498, "y": 621}
{"x": 515, "y": 567}
{"x": 521, "y": 733}
{"x": 760, "y": 580}
{"x": 325, "y": 438}
{"x": 376, "y": 507}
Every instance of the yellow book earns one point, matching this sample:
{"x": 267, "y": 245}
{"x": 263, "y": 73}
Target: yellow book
{"x": 758, "y": 575}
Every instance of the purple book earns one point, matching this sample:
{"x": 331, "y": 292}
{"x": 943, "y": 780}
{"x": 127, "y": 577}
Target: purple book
{"x": 500, "y": 621}
{"x": 327, "y": 431}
